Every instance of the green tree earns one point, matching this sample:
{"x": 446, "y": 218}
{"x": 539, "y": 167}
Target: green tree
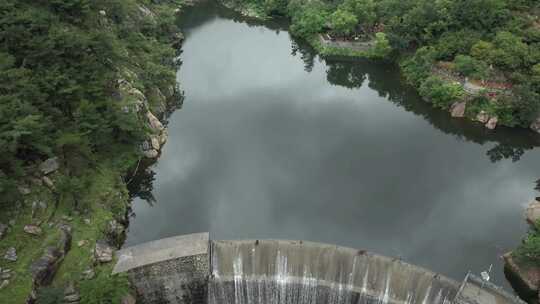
{"x": 343, "y": 22}
{"x": 364, "y": 10}
{"x": 471, "y": 67}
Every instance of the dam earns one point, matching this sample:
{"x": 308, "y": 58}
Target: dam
{"x": 195, "y": 269}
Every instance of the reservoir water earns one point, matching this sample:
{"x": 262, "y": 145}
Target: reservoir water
{"x": 275, "y": 142}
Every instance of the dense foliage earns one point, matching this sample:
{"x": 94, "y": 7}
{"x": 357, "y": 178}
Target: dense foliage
{"x": 490, "y": 41}
{"x": 59, "y": 65}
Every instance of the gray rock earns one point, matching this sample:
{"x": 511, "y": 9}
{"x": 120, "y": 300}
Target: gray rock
{"x": 89, "y": 274}
{"x": 155, "y": 124}
{"x": 24, "y": 190}
{"x": 5, "y": 274}
{"x": 103, "y": 252}
{"x": 11, "y": 254}
{"x": 72, "y": 298}
{"x": 151, "y": 153}
{"x": 103, "y": 13}
{"x": 50, "y": 165}
{"x": 532, "y": 214}
{"x": 155, "y": 142}
{"x": 11, "y": 222}
{"x": 128, "y": 299}
{"x": 492, "y": 123}
{"x": 535, "y": 125}
{"x": 458, "y": 109}
{"x": 48, "y": 182}
{"x": 3, "y": 230}
{"x": 87, "y": 221}
{"x": 32, "y": 229}
{"x": 4, "y": 284}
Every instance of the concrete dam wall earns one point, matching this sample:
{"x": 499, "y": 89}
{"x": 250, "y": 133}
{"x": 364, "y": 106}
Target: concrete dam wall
{"x": 195, "y": 269}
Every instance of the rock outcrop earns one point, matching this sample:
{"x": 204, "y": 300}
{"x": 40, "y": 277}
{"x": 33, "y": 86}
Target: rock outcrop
{"x": 492, "y": 123}
{"x": 103, "y": 253}
{"x": 523, "y": 276}
{"x": 49, "y": 166}
{"x": 45, "y": 267}
{"x": 458, "y": 109}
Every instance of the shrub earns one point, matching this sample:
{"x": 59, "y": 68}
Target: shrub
{"x": 471, "y": 67}
{"x": 343, "y": 22}
{"x": 442, "y": 94}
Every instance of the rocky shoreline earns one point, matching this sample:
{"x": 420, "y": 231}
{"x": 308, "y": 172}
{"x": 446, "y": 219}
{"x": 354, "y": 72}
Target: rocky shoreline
{"x": 523, "y": 275}
{"x": 362, "y": 50}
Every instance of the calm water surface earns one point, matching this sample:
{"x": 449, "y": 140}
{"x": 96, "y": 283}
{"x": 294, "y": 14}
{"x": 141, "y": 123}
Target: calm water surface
{"x": 273, "y": 142}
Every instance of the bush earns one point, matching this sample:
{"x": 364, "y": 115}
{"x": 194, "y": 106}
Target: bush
{"x": 343, "y": 22}
{"x": 471, "y": 67}
{"x": 309, "y": 21}
{"x": 441, "y": 93}
{"x": 417, "y": 68}
{"x": 529, "y": 250}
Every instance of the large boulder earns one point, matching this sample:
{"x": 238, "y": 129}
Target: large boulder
{"x": 155, "y": 124}
{"x": 32, "y": 229}
{"x": 535, "y": 125}
{"x": 524, "y": 278}
{"x": 458, "y": 109}
{"x": 50, "y": 165}
{"x": 532, "y": 214}
{"x": 492, "y": 123}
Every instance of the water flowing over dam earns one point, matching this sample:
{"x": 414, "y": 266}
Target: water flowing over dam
{"x": 290, "y": 272}
{"x": 194, "y": 269}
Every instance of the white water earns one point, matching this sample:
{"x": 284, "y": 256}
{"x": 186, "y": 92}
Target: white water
{"x": 273, "y": 272}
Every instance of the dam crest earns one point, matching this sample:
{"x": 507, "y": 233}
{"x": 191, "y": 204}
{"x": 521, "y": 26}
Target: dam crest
{"x": 194, "y": 269}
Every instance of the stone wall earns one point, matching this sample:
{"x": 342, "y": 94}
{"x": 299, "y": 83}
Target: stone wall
{"x": 168, "y": 271}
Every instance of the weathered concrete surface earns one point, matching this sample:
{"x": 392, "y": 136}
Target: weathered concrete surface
{"x": 161, "y": 250}
{"x": 193, "y": 269}
{"x": 172, "y": 270}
